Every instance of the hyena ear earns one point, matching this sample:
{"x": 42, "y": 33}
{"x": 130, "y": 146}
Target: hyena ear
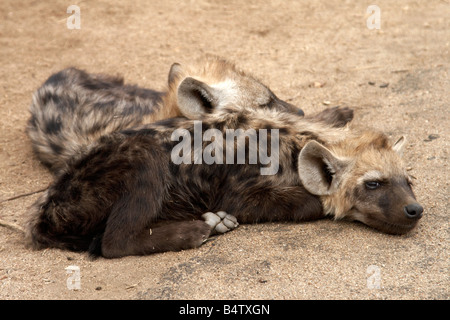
{"x": 175, "y": 72}
{"x": 399, "y": 144}
{"x": 196, "y": 98}
{"x": 319, "y": 169}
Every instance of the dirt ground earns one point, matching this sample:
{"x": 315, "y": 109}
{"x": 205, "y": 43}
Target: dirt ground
{"x": 313, "y": 54}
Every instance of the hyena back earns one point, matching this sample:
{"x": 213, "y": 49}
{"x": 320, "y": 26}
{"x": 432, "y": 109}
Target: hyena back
{"x": 126, "y": 197}
{"x": 74, "y": 108}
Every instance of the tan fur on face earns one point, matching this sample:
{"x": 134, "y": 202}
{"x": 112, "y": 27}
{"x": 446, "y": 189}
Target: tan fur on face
{"x": 235, "y": 86}
{"x": 372, "y": 175}
{"x": 373, "y": 158}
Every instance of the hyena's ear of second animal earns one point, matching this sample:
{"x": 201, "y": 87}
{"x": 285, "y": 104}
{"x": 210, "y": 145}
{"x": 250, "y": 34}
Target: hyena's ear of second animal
{"x": 319, "y": 169}
{"x": 175, "y": 72}
{"x": 195, "y": 98}
{"x": 399, "y": 144}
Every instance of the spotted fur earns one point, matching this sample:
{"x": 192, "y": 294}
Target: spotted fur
{"x": 74, "y": 108}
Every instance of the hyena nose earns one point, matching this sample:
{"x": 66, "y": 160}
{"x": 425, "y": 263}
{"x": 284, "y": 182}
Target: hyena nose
{"x": 413, "y": 211}
{"x": 300, "y": 112}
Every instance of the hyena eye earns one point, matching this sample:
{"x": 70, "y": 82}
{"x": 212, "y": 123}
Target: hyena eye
{"x": 372, "y": 185}
{"x": 268, "y": 104}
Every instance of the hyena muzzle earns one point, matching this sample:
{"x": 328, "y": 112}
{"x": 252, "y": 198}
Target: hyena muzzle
{"x": 74, "y": 108}
{"x": 125, "y": 196}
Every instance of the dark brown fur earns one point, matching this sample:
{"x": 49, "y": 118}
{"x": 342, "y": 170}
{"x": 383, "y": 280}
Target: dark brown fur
{"x": 109, "y": 199}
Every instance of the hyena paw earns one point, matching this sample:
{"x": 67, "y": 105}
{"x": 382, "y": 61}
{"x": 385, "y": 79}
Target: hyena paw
{"x": 342, "y": 116}
{"x": 220, "y": 222}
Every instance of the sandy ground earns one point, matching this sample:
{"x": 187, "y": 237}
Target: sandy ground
{"x": 289, "y": 46}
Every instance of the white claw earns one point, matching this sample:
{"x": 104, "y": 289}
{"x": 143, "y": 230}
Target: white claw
{"x": 230, "y": 221}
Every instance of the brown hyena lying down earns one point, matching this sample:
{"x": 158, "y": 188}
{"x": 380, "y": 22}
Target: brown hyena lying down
{"x": 126, "y": 195}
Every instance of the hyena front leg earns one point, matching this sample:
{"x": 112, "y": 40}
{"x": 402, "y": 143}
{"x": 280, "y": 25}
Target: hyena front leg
{"x": 134, "y": 229}
{"x": 220, "y": 222}
{"x": 160, "y": 237}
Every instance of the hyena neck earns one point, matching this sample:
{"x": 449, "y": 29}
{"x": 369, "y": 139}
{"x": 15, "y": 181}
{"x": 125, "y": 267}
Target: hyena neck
{"x": 336, "y": 205}
{"x": 166, "y": 108}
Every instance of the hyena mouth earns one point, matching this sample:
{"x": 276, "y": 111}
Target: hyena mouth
{"x": 393, "y": 228}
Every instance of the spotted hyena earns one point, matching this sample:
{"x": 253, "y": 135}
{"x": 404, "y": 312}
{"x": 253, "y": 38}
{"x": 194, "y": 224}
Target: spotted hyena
{"x": 74, "y": 108}
{"x": 126, "y": 195}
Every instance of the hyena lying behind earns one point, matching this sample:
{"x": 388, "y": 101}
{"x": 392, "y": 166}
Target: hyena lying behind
{"x": 126, "y": 197}
{"x": 74, "y": 108}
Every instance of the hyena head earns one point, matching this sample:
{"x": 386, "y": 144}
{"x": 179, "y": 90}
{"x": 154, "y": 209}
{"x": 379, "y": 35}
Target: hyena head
{"x": 213, "y": 83}
{"x": 362, "y": 178}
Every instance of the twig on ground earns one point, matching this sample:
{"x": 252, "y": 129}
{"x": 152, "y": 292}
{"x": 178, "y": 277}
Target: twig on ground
{"x": 24, "y": 195}
{"x": 12, "y": 226}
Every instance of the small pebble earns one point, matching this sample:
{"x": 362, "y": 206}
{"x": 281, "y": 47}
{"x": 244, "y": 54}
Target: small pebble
{"x": 317, "y": 84}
